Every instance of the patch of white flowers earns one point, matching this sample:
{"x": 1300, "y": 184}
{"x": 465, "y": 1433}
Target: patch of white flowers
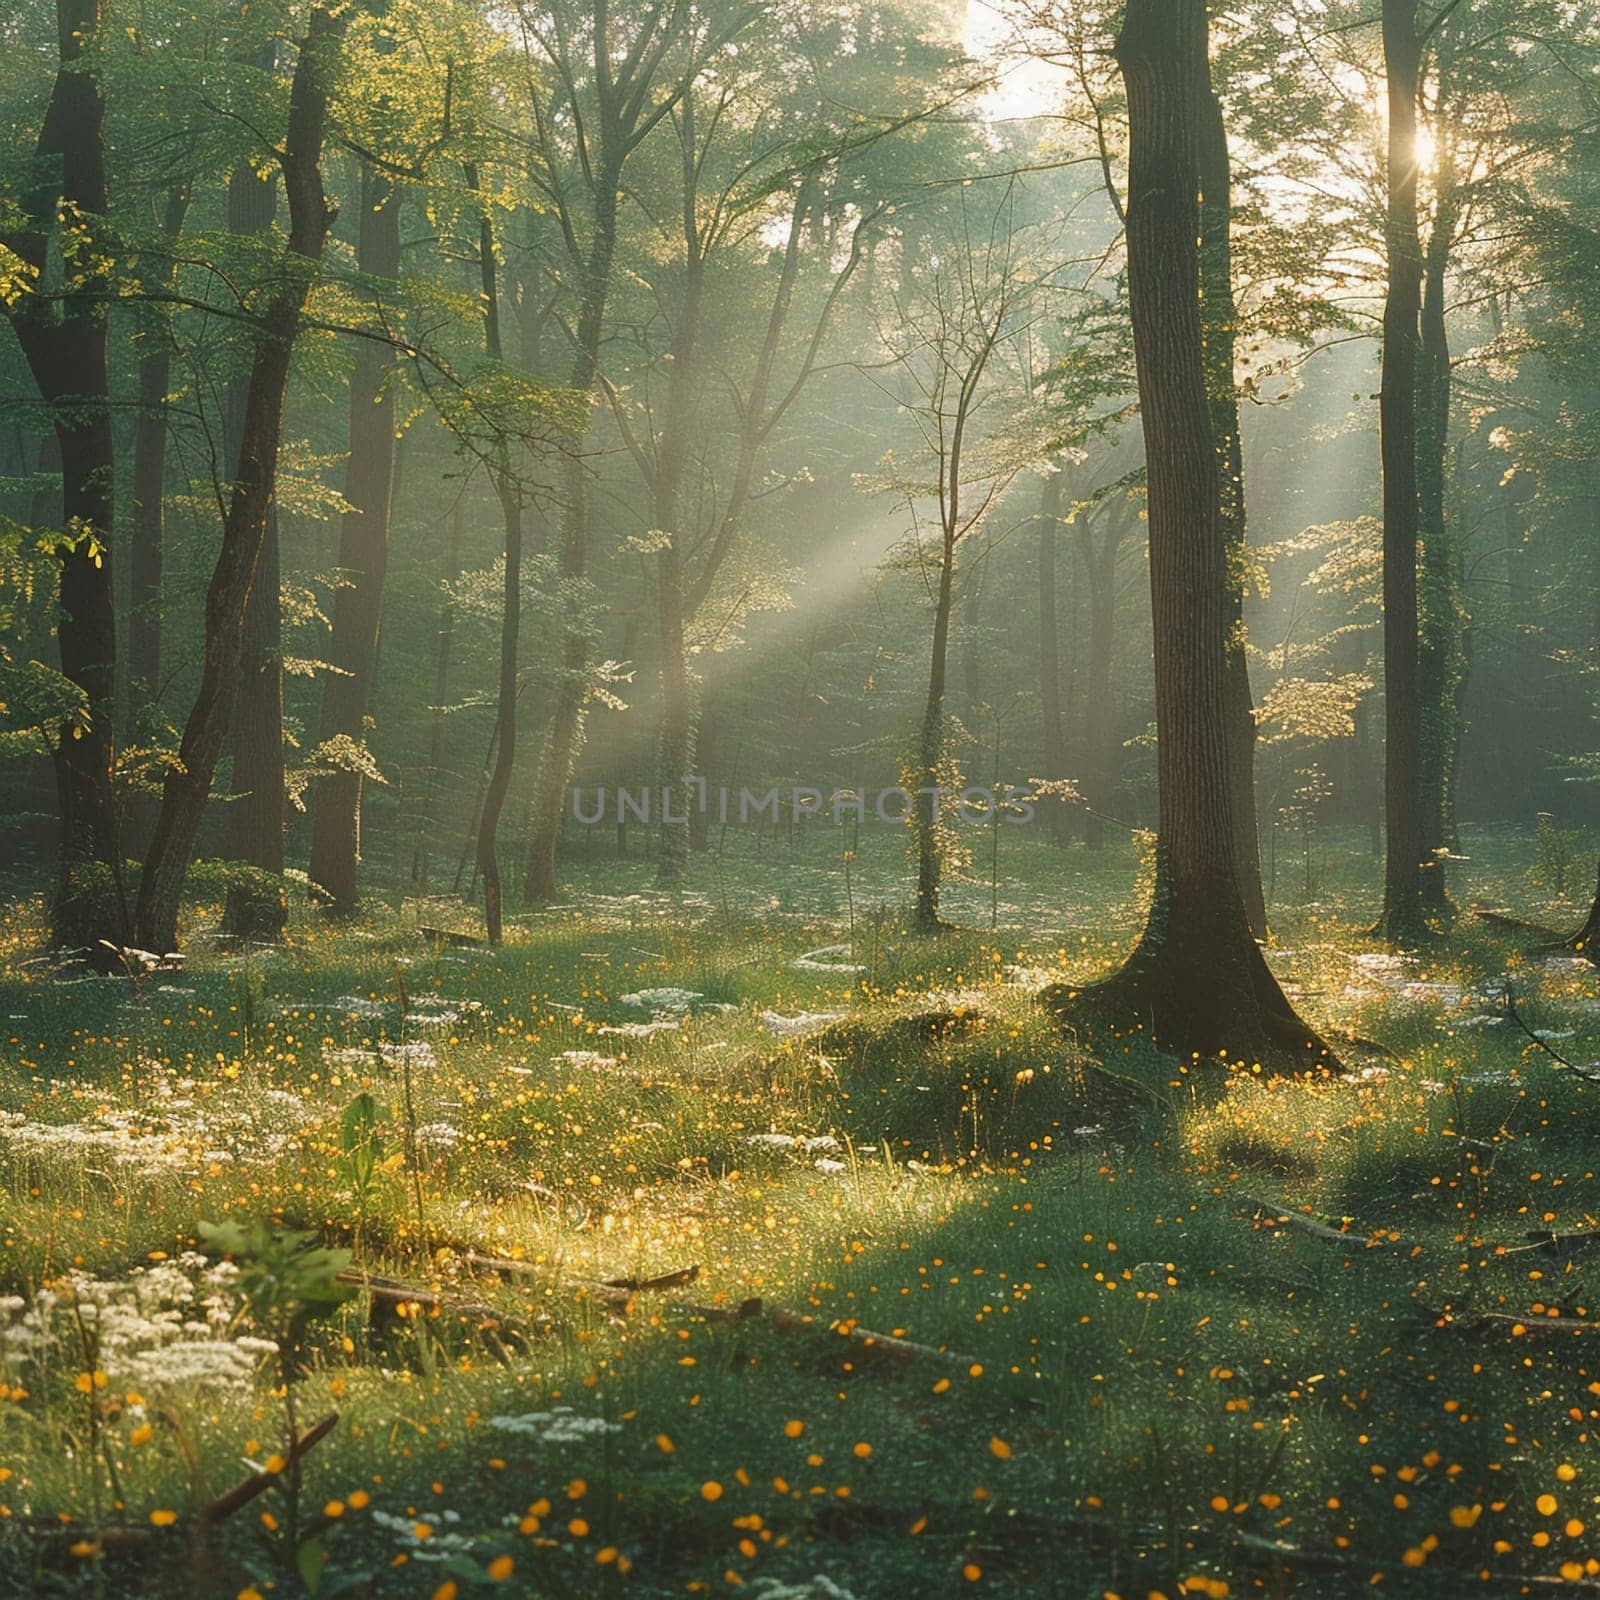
{"x": 171, "y": 1325}
{"x": 562, "y": 1425}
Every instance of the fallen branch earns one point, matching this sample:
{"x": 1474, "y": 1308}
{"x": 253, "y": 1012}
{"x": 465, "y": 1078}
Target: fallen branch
{"x": 1314, "y": 1227}
{"x": 258, "y": 1483}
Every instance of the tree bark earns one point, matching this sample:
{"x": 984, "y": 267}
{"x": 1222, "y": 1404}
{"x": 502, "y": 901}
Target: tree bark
{"x": 671, "y": 459}
{"x": 441, "y": 694}
{"x": 1220, "y": 319}
{"x": 1401, "y": 917}
{"x": 147, "y": 545}
{"x": 67, "y": 355}
{"x": 1441, "y": 663}
{"x": 510, "y": 497}
{"x": 1197, "y": 978}
{"x": 244, "y": 528}
{"x": 363, "y": 563}
{"x": 256, "y": 908}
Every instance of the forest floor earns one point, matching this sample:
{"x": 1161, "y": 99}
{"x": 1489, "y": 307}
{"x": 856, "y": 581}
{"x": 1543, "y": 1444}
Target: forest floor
{"x": 934, "y": 1302}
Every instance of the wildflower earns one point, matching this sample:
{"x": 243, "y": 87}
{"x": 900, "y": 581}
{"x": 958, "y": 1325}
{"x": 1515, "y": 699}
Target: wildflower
{"x": 501, "y": 1568}
{"x": 711, "y": 1491}
{"x": 163, "y": 1519}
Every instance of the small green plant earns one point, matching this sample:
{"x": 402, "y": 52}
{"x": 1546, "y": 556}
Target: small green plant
{"x": 1557, "y": 853}
{"x": 362, "y": 1157}
{"x": 288, "y": 1281}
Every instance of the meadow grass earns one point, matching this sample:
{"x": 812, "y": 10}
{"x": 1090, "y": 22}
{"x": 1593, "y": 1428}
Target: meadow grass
{"x": 1153, "y": 1327}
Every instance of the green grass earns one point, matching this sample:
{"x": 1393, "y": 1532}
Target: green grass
{"x": 1130, "y": 1375}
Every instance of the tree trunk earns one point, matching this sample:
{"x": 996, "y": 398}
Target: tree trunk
{"x": 972, "y": 648}
{"x": 147, "y": 545}
{"x": 1220, "y": 320}
{"x": 1053, "y": 748}
{"x": 65, "y": 346}
{"x": 930, "y": 749}
{"x": 1586, "y": 941}
{"x": 670, "y": 461}
{"x": 510, "y": 496}
{"x": 1441, "y": 665}
{"x": 677, "y": 721}
{"x": 1197, "y": 978}
{"x": 256, "y": 908}
{"x": 441, "y": 694}
{"x": 566, "y": 721}
{"x": 363, "y": 562}
{"x": 244, "y": 529}
{"x": 1401, "y": 919}
{"x": 1099, "y": 709}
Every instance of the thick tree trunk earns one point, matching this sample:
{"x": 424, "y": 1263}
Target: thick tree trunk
{"x": 1197, "y": 978}
{"x": 65, "y": 347}
{"x": 1397, "y": 413}
{"x": 1220, "y": 319}
{"x": 1441, "y": 665}
{"x": 244, "y": 528}
{"x": 1053, "y": 745}
{"x": 363, "y": 562}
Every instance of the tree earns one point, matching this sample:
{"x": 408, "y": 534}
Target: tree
{"x": 188, "y": 784}
{"x": 256, "y": 907}
{"x": 1196, "y": 974}
{"x": 60, "y": 322}
{"x": 1220, "y": 319}
{"x": 363, "y": 559}
{"x": 608, "y": 100}
{"x": 1401, "y": 918}
{"x": 953, "y": 330}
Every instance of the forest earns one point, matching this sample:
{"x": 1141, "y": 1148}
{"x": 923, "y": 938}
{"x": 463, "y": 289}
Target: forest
{"x": 801, "y": 797}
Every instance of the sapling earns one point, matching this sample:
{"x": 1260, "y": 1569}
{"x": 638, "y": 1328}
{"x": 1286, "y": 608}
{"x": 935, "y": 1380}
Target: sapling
{"x": 288, "y": 1281}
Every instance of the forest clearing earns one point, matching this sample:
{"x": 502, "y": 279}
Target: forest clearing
{"x": 1342, "y": 1322}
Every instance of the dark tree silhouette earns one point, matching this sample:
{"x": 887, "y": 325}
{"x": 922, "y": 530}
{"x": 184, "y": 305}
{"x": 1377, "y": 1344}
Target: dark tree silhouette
{"x": 63, "y": 339}
{"x": 1401, "y": 918}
